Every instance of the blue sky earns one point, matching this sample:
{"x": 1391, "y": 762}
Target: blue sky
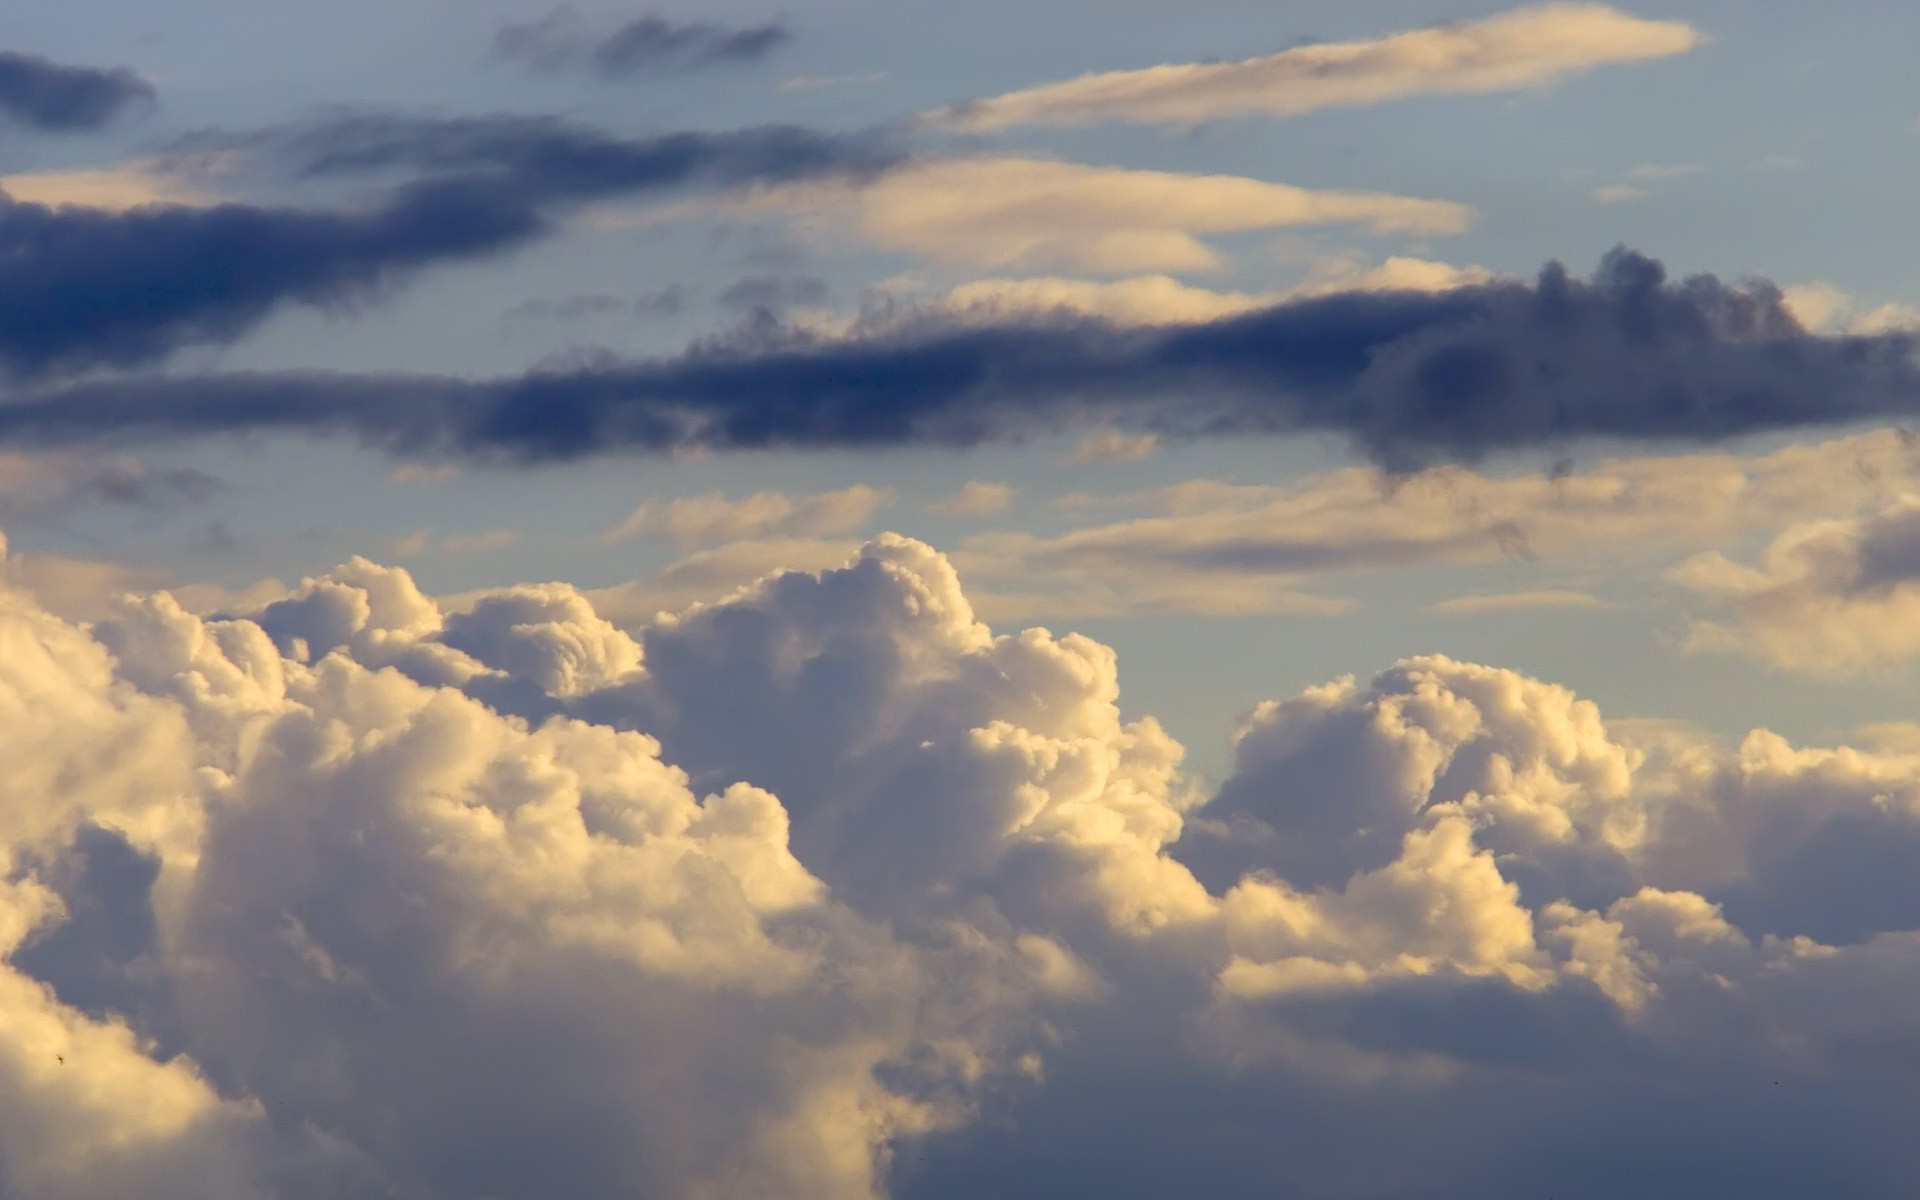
{"x": 1219, "y": 334}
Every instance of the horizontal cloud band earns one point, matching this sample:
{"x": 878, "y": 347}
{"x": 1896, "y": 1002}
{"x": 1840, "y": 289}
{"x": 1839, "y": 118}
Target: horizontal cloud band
{"x": 1411, "y": 378}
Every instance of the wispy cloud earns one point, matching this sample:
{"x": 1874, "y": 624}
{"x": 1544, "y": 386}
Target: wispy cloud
{"x": 1525, "y": 48}
{"x": 564, "y": 39}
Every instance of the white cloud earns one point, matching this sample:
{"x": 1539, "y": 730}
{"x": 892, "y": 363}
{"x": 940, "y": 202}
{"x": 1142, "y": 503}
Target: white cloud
{"x": 977, "y": 498}
{"x": 1525, "y": 48}
{"x": 1162, "y": 299}
{"x": 1618, "y": 193}
{"x": 1664, "y": 170}
{"x": 113, "y": 188}
{"x": 999, "y": 213}
{"x": 359, "y": 896}
{"x": 711, "y": 518}
{"x": 1500, "y": 602}
{"x": 1115, "y": 445}
{"x": 1822, "y": 307}
{"x": 1207, "y": 546}
{"x": 1832, "y": 598}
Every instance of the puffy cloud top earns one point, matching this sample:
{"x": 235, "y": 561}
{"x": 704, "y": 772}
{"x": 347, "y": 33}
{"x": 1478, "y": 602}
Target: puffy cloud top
{"x": 353, "y": 895}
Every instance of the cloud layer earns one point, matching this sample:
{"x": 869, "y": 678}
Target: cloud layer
{"x": 353, "y": 895}
{"x": 1410, "y": 377}
{"x": 89, "y": 287}
{"x": 1524, "y": 48}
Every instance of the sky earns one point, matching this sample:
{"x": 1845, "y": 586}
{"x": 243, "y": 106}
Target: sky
{"x": 917, "y": 602}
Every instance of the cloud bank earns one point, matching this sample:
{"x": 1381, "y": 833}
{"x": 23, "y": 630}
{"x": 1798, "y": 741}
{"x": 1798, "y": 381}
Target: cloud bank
{"x": 1525, "y": 48}
{"x": 56, "y": 98}
{"x": 88, "y": 287}
{"x": 828, "y": 890}
{"x": 1411, "y": 378}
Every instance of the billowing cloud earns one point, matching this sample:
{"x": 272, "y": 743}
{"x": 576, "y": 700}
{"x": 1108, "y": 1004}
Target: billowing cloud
{"x": 1412, "y": 378}
{"x": 353, "y": 895}
{"x": 1830, "y": 598}
{"x": 703, "y": 520}
{"x": 1525, "y": 48}
{"x": 93, "y": 287}
{"x": 56, "y": 98}
{"x": 1039, "y": 213}
{"x": 563, "y": 40}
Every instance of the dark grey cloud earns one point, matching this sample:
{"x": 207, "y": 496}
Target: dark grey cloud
{"x": 1410, "y": 378}
{"x": 57, "y": 98}
{"x": 87, "y": 288}
{"x": 669, "y": 301}
{"x": 564, "y": 40}
{"x": 772, "y": 293}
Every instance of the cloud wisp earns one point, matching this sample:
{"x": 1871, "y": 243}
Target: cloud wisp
{"x": 53, "y": 97}
{"x": 90, "y": 287}
{"x": 565, "y": 40}
{"x": 1525, "y": 48}
{"x": 1410, "y": 378}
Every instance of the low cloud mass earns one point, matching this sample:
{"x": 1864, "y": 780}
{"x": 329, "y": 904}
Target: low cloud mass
{"x": 828, "y": 890}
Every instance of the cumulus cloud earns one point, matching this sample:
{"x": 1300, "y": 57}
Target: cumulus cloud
{"x": 829, "y": 890}
{"x": 56, "y": 98}
{"x": 1525, "y": 48}
{"x": 1412, "y": 378}
{"x": 1821, "y": 305}
{"x": 703, "y": 520}
{"x": 1830, "y": 598}
{"x": 563, "y": 39}
{"x": 1039, "y": 213}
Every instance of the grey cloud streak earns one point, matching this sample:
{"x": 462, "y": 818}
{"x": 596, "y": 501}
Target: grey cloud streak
{"x": 1411, "y": 378}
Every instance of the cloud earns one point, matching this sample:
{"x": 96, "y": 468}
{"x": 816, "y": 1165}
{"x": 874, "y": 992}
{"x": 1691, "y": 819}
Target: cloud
{"x": 1829, "y": 598}
{"x": 1619, "y": 193}
{"x": 114, "y": 189}
{"x": 423, "y": 541}
{"x": 55, "y": 98}
{"x": 669, "y": 301}
{"x": 1162, "y": 299}
{"x": 1026, "y": 212}
{"x": 564, "y": 40}
{"x": 1112, "y": 445}
{"x": 1411, "y": 378}
{"x": 1822, "y": 306}
{"x": 87, "y": 287}
{"x": 691, "y": 521}
{"x": 40, "y": 486}
{"x": 1664, "y": 170}
{"x": 1503, "y": 602}
{"x": 1525, "y": 48}
{"x": 815, "y": 83}
{"x": 1207, "y": 546}
{"x": 827, "y": 890}
{"x": 976, "y": 498}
